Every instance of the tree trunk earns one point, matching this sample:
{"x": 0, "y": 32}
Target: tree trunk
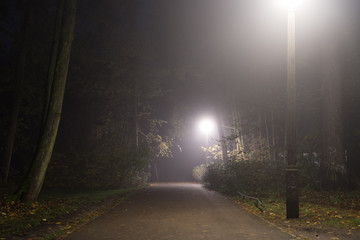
{"x": 267, "y": 130}
{"x": 10, "y": 137}
{"x": 32, "y": 184}
{"x": 156, "y": 172}
{"x": 53, "y": 59}
{"x": 236, "y": 132}
{"x": 136, "y": 114}
{"x": 131, "y": 15}
{"x": 239, "y": 133}
{"x": 259, "y": 127}
{"x": 273, "y": 134}
{"x": 222, "y": 137}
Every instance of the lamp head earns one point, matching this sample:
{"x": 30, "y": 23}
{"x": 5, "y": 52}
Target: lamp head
{"x": 291, "y": 5}
{"x": 206, "y": 125}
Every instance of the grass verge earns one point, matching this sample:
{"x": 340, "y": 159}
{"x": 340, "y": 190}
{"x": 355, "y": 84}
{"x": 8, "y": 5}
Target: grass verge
{"x": 319, "y": 211}
{"x": 56, "y": 213}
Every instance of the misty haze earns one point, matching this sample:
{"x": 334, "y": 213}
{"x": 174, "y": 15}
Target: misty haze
{"x": 180, "y": 119}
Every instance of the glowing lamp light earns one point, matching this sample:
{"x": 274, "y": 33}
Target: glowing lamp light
{"x": 291, "y": 4}
{"x": 206, "y": 125}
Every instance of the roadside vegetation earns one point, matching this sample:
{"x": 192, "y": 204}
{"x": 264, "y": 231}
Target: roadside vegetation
{"x": 259, "y": 186}
{"x": 56, "y": 213}
{"x": 319, "y": 211}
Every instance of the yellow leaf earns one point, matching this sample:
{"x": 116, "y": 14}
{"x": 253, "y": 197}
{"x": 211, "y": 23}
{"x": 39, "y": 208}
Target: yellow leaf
{"x": 58, "y": 223}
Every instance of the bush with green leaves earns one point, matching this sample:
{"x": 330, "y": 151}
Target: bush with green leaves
{"x": 260, "y": 177}
{"x": 247, "y": 176}
{"x": 199, "y": 171}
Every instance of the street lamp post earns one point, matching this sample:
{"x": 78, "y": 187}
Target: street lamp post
{"x": 292, "y": 194}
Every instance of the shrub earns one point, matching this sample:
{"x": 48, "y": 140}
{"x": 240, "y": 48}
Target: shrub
{"x": 246, "y": 176}
{"x": 199, "y": 171}
{"x": 97, "y": 169}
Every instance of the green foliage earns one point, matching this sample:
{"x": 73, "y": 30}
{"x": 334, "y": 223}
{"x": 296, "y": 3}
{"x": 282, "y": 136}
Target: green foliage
{"x": 318, "y": 211}
{"x": 257, "y": 172}
{"x": 246, "y": 176}
{"x": 259, "y": 150}
{"x": 309, "y": 170}
{"x": 18, "y": 217}
{"x": 213, "y": 152}
{"x": 260, "y": 177}
{"x": 199, "y": 171}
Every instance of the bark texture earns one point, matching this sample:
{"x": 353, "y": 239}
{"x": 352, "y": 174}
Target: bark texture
{"x": 222, "y": 136}
{"x": 31, "y": 186}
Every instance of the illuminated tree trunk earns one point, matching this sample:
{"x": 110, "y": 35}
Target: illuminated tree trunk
{"x": 259, "y": 127}
{"x": 236, "y": 131}
{"x": 32, "y": 184}
{"x": 222, "y": 137}
{"x": 273, "y": 136}
{"x": 53, "y": 59}
{"x": 156, "y": 172}
{"x": 267, "y": 130}
{"x": 239, "y": 133}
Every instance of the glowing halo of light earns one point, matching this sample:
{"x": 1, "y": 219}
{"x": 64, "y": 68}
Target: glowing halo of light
{"x": 206, "y": 125}
{"x": 290, "y": 4}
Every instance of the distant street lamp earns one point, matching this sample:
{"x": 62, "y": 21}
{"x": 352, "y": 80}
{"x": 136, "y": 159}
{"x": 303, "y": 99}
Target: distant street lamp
{"x": 292, "y": 194}
{"x": 206, "y": 126}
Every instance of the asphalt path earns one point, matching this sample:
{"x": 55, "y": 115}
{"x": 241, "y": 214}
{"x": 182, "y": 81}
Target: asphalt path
{"x": 178, "y": 211}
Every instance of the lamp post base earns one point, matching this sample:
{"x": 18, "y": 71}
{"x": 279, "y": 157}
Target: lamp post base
{"x": 292, "y": 193}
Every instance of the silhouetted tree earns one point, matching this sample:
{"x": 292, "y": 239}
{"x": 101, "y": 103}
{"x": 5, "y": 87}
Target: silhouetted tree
{"x": 32, "y": 184}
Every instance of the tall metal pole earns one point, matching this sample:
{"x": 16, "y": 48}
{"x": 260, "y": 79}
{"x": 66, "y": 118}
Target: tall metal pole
{"x": 292, "y": 195}
{"x": 207, "y": 146}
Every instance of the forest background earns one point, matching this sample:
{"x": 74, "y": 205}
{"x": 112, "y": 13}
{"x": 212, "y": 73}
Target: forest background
{"x": 142, "y": 72}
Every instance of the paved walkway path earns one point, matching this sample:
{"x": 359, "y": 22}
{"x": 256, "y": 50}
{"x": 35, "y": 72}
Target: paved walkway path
{"x": 178, "y": 211}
